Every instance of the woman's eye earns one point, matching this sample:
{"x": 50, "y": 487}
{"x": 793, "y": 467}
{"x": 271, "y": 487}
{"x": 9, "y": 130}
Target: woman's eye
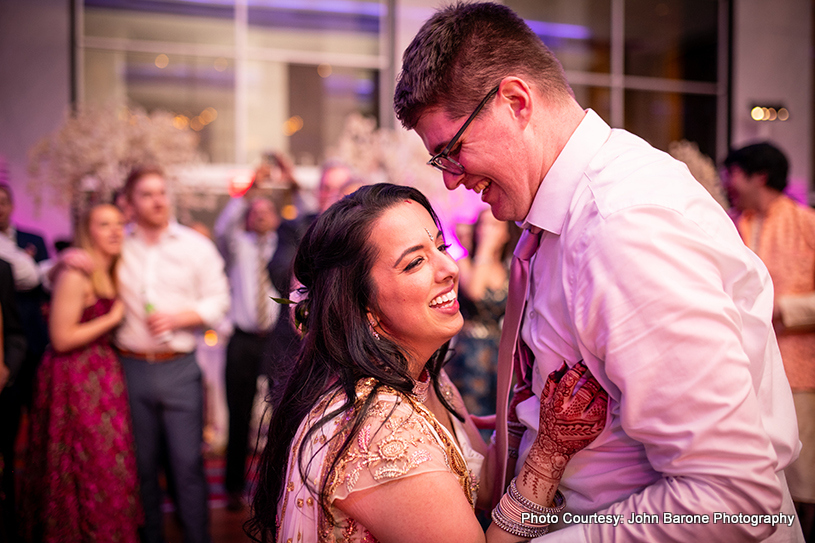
{"x": 444, "y": 248}
{"x": 414, "y": 263}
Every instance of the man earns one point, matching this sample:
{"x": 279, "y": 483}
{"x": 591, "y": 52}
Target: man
{"x": 22, "y": 251}
{"x": 13, "y": 349}
{"x": 782, "y": 233}
{"x": 284, "y": 340}
{"x": 639, "y": 273}
{"x": 171, "y": 280}
{"x": 246, "y": 236}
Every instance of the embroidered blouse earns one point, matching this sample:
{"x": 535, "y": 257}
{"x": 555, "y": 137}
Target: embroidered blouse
{"x": 398, "y": 438}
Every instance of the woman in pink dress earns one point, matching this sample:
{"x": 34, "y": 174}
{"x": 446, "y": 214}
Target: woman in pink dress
{"x": 81, "y": 482}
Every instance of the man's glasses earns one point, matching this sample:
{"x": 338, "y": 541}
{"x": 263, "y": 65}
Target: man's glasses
{"x": 443, "y": 162}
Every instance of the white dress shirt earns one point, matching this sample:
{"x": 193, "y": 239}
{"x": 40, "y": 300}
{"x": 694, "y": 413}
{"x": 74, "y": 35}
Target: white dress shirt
{"x": 182, "y": 271}
{"x": 642, "y": 275}
{"x": 243, "y": 251}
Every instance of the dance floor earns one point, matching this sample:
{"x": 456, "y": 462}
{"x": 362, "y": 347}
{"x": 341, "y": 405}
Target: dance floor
{"x": 225, "y": 526}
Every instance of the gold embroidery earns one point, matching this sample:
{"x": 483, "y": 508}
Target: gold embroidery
{"x": 408, "y": 436}
{"x": 391, "y": 457}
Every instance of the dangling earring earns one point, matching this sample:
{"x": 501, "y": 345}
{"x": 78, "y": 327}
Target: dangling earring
{"x": 373, "y": 330}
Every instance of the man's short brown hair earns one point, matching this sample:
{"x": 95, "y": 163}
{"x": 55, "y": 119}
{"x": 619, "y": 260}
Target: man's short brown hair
{"x": 463, "y": 51}
{"x": 136, "y": 174}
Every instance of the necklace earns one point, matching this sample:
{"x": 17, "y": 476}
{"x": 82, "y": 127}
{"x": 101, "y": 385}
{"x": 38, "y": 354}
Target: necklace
{"x": 422, "y": 386}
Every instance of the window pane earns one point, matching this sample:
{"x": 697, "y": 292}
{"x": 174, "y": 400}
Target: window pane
{"x": 596, "y": 98}
{"x": 320, "y": 102}
{"x": 662, "y": 117}
{"x": 675, "y": 39}
{"x": 186, "y": 85}
{"x": 577, "y": 31}
{"x": 332, "y": 26}
{"x": 267, "y": 103}
{"x": 160, "y": 21}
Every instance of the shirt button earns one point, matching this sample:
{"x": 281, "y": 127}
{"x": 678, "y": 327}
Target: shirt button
{"x": 532, "y": 314}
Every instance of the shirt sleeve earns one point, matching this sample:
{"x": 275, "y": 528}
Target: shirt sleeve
{"x": 228, "y": 225}
{"x": 213, "y": 287}
{"x": 675, "y": 318}
{"x": 23, "y": 267}
{"x": 395, "y": 442}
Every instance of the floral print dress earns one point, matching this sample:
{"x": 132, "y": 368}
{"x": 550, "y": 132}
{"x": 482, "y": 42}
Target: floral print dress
{"x": 399, "y": 438}
{"x": 80, "y": 481}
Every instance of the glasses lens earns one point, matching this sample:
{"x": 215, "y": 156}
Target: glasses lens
{"x": 447, "y": 164}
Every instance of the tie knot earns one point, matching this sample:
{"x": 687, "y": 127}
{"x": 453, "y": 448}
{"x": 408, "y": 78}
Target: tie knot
{"x": 527, "y": 245}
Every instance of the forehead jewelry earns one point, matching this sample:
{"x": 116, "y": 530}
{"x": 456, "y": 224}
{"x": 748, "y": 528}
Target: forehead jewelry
{"x": 429, "y": 234}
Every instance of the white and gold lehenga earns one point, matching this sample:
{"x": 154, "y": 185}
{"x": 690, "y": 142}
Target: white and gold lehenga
{"x": 398, "y": 438}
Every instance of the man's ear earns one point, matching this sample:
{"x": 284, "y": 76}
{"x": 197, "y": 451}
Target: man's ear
{"x": 758, "y": 179}
{"x": 517, "y": 94}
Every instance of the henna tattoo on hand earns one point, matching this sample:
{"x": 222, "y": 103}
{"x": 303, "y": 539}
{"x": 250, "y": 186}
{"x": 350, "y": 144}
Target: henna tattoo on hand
{"x": 569, "y": 421}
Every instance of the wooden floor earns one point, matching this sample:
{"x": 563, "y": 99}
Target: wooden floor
{"x": 225, "y": 526}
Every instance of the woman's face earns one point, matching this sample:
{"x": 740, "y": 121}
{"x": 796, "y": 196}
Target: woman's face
{"x": 415, "y": 281}
{"x": 107, "y": 230}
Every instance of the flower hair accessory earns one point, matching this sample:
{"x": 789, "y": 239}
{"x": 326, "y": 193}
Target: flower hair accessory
{"x": 300, "y": 299}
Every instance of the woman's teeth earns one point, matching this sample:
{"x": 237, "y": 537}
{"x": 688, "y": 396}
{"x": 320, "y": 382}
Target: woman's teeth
{"x": 443, "y": 299}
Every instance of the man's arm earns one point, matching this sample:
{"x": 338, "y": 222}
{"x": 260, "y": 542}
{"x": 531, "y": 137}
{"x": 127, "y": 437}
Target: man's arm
{"x": 677, "y": 322}
{"x": 796, "y": 312}
{"x": 229, "y": 225}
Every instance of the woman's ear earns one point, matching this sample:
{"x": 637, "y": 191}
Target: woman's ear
{"x": 373, "y": 324}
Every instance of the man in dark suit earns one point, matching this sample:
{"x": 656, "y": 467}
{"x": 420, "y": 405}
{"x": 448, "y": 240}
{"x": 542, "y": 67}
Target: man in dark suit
{"x": 284, "y": 341}
{"x": 30, "y": 304}
{"x": 13, "y": 354}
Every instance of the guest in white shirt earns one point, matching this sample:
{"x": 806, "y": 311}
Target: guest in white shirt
{"x": 639, "y": 273}
{"x": 172, "y": 282}
{"x": 245, "y": 233}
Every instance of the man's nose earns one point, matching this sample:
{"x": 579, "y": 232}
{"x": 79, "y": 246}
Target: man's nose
{"x": 452, "y": 180}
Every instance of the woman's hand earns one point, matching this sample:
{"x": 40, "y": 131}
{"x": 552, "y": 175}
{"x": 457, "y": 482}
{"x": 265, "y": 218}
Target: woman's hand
{"x": 117, "y": 311}
{"x": 572, "y": 415}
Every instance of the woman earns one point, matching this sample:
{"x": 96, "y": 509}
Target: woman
{"x": 484, "y": 288}
{"x": 372, "y": 440}
{"x": 82, "y": 483}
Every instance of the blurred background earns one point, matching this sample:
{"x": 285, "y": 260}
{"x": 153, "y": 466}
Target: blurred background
{"x": 249, "y": 76}
{"x": 219, "y": 91}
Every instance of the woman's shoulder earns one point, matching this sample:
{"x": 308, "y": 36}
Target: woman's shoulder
{"x": 71, "y": 279}
{"x": 396, "y": 439}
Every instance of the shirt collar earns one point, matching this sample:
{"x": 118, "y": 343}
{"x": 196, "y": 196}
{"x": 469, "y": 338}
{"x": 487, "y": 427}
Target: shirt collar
{"x": 551, "y": 203}
{"x": 172, "y": 230}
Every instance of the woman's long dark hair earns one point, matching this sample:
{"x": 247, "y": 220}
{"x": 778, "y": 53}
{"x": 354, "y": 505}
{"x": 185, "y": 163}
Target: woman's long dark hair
{"x": 333, "y": 264}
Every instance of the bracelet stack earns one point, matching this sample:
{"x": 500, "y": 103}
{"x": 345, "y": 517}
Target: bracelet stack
{"x": 521, "y": 516}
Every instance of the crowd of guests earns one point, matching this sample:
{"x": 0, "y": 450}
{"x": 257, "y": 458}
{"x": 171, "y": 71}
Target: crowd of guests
{"x": 656, "y": 364}
{"x": 103, "y": 360}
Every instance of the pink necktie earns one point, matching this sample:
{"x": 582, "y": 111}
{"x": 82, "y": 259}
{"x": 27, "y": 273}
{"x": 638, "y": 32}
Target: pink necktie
{"x": 508, "y": 346}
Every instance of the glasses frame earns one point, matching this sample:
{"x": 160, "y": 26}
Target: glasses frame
{"x": 443, "y": 162}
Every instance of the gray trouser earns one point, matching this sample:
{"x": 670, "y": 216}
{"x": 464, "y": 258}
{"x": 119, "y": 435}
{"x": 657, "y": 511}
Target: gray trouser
{"x": 166, "y": 402}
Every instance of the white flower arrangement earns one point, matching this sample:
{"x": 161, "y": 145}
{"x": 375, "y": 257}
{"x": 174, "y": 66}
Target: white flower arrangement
{"x": 90, "y": 155}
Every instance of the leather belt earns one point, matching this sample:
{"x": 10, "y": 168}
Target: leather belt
{"x": 152, "y": 357}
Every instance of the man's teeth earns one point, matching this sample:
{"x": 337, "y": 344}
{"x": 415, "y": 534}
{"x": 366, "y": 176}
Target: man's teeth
{"x": 481, "y": 186}
{"x": 443, "y": 299}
